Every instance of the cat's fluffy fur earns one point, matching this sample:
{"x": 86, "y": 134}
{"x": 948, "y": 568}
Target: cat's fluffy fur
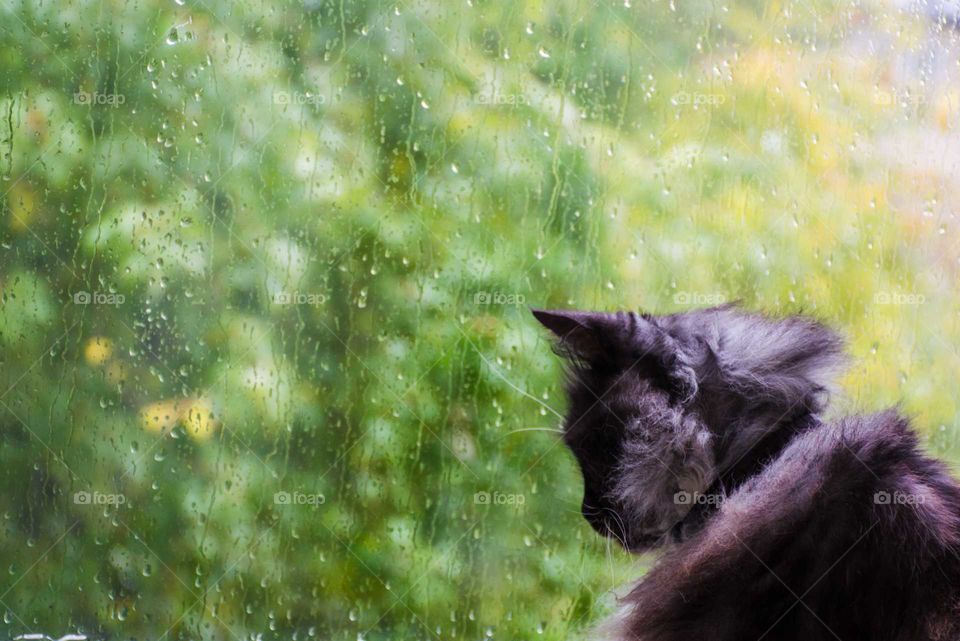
{"x": 701, "y": 433}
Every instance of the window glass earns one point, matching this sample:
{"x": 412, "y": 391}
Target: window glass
{"x": 268, "y": 369}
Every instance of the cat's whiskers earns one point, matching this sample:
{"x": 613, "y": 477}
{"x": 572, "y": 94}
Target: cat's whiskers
{"x": 622, "y": 537}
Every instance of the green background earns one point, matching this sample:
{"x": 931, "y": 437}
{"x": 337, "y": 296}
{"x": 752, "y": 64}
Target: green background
{"x": 253, "y": 248}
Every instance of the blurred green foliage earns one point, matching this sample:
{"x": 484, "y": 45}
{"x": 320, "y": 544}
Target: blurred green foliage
{"x": 265, "y": 269}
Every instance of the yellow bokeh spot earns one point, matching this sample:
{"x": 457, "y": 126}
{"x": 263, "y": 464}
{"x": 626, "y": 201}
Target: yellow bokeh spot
{"x": 199, "y": 420}
{"x": 460, "y": 123}
{"x": 98, "y": 350}
{"x": 195, "y": 415}
{"x": 160, "y": 416}
{"x": 23, "y": 207}
{"x": 758, "y": 66}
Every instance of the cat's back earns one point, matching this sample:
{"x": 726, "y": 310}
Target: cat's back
{"x": 851, "y": 532}
{"x": 862, "y": 463}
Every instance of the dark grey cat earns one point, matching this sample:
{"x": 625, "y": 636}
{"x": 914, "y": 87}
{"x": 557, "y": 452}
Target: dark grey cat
{"x": 700, "y": 433}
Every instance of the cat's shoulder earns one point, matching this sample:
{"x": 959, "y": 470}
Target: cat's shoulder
{"x": 839, "y": 461}
{"x": 856, "y": 465}
{"x": 855, "y": 445}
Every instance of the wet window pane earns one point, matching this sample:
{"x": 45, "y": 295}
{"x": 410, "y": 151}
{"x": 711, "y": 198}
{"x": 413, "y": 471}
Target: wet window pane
{"x": 268, "y": 369}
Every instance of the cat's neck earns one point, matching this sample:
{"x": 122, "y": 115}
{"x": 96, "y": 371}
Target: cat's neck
{"x": 761, "y": 452}
{"x": 736, "y": 473}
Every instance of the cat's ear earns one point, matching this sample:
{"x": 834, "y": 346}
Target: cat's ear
{"x": 624, "y": 338}
{"x": 579, "y": 334}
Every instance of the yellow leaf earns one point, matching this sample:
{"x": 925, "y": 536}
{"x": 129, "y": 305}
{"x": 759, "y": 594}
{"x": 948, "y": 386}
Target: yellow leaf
{"x": 98, "y": 350}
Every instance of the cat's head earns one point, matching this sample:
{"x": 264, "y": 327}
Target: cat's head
{"x": 661, "y": 406}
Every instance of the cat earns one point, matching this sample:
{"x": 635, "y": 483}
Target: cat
{"x": 702, "y": 434}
